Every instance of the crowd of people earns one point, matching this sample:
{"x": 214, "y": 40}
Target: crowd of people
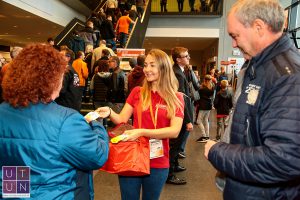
{"x": 257, "y": 143}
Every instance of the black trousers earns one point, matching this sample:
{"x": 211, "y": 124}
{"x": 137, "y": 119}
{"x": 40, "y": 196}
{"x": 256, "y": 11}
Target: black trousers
{"x": 175, "y": 148}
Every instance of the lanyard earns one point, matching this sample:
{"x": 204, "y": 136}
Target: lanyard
{"x": 154, "y": 118}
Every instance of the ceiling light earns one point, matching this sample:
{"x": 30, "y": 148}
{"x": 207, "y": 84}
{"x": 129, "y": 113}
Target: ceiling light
{"x": 15, "y": 26}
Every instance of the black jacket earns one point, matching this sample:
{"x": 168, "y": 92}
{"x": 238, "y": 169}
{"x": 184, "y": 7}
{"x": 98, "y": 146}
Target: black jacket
{"x": 107, "y": 30}
{"x": 223, "y": 102}
{"x": 184, "y": 88}
{"x": 70, "y": 94}
{"x": 263, "y": 160}
{"x": 116, "y": 93}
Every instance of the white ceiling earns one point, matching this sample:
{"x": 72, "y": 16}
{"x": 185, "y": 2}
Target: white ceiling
{"x": 19, "y": 27}
{"x": 170, "y": 42}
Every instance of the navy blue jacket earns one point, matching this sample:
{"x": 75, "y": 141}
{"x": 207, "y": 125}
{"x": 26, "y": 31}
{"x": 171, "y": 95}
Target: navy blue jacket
{"x": 263, "y": 159}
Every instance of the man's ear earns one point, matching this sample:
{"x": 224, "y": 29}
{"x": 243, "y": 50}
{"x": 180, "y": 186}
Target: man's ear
{"x": 259, "y": 26}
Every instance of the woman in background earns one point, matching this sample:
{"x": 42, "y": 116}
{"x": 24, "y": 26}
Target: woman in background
{"x": 205, "y": 105}
{"x": 55, "y": 142}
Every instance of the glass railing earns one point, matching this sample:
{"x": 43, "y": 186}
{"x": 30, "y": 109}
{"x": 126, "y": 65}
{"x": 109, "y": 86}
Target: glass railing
{"x": 187, "y": 7}
{"x": 292, "y": 25}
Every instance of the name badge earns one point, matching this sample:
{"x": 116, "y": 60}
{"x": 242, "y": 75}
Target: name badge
{"x": 156, "y": 148}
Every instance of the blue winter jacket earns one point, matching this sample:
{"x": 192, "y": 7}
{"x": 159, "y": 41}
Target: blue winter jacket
{"x": 263, "y": 160}
{"x": 58, "y": 145}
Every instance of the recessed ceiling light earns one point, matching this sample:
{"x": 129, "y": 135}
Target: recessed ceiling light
{"x": 15, "y": 26}
{"x": 28, "y": 38}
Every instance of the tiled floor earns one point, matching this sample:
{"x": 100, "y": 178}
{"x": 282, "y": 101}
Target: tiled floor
{"x": 200, "y": 176}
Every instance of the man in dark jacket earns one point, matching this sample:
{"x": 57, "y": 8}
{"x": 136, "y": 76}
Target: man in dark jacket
{"x": 116, "y": 92}
{"x": 181, "y": 58}
{"x": 108, "y": 33}
{"x": 70, "y": 94}
{"x": 76, "y": 43}
{"x": 262, "y": 160}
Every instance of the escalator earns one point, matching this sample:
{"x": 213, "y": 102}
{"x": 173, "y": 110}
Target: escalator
{"x": 135, "y": 39}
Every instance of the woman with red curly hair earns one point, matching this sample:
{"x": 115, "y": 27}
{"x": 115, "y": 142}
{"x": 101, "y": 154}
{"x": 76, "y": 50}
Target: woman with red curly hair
{"x": 55, "y": 142}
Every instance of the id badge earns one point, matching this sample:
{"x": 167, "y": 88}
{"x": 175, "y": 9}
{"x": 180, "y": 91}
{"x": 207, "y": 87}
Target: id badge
{"x": 156, "y": 148}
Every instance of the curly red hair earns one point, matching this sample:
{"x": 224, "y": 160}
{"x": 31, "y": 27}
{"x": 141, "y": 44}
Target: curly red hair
{"x": 33, "y": 75}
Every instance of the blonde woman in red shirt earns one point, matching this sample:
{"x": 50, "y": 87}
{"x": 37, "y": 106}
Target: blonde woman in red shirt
{"x": 162, "y": 117}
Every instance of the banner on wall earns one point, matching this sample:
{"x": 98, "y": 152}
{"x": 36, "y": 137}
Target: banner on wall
{"x": 125, "y": 54}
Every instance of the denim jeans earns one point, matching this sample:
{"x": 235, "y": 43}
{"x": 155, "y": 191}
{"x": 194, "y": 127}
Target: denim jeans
{"x": 202, "y": 120}
{"x": 151, "y": 185}
{"x": 123, "y": 39}
{"x": 112, "y": 42}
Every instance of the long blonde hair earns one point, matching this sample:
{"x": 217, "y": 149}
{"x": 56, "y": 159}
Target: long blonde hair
{"x": 167, "y": 84}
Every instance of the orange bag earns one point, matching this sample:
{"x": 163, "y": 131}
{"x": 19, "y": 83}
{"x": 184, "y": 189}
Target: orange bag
{"x": 130, "y": 158}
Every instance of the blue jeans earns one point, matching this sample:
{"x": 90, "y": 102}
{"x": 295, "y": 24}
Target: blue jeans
{"x": 112, "y": 42}
{"x": 123, "y": 39}
{"x": 151, "y": 185}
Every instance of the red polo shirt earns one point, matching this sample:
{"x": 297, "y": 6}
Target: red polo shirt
{"x": 162, "y": 120}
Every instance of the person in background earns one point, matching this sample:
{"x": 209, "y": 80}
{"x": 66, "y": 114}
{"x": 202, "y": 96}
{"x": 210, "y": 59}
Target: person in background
{"x": 88, "y": 34}
{"x": 108, "y": 32}
{"x": 70, "y": 94}
{"x": 100, "y": 85}
{"x": 56, "y": 143}
{"x": 97, "y": 54}
{"x": 262, "y": 158}
{"x": 116, "y": 93}
{"x": 180, "y": 4}
{"x": 192, "y": 4}
{"x": 181, "y": 58}
{"x": 81, "y": 69}
{"x": 123, "y": 28}
{"x": 223, "y": 105}
{"x": 76, "y": 42}
{"x": 159, "y": 94}
{"x": 136, "y": 76}
{"x": 2, "y": 61}
{"x": 50, "y": 41}
{"x": 205, "y": 104}
{"x": 163, "y": 6}
{"x": 140, "y": 6}
{"x": 14, "y": 51}
{"x": 220, "y": 77}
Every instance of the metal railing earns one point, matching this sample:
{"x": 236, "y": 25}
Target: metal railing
{"x": 293, "y": 22}
{"x": 200, "y": 7}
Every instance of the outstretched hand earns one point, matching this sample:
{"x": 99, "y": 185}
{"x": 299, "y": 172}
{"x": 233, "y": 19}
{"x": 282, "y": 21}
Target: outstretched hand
{"x": 104, "y": 112}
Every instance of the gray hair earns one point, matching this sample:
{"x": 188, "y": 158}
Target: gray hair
{"x": 269, "y": 11}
